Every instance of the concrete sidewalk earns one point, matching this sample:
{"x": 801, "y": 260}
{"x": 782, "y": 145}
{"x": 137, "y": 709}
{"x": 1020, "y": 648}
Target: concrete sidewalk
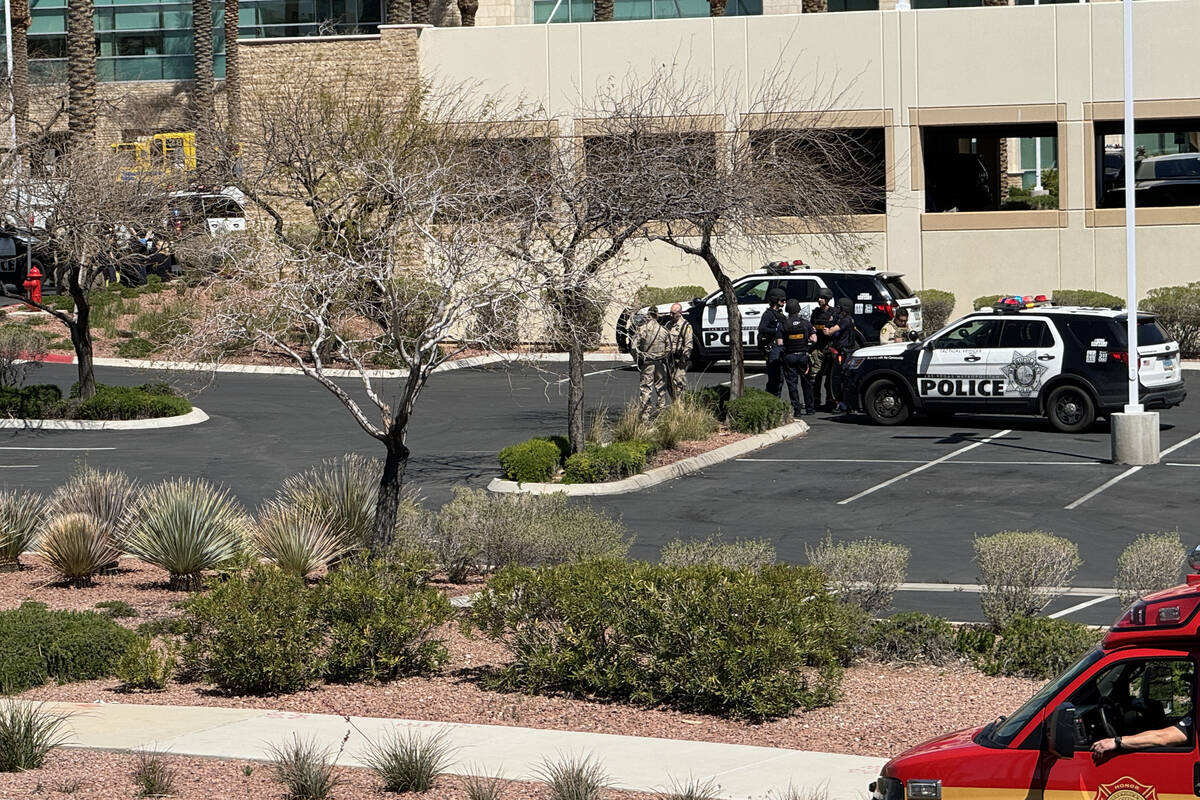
{"x": 634, "y": 763}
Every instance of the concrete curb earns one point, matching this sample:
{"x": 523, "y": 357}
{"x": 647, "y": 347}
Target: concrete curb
{"x": 193, "y": 417}
{"x": 659, "y": 474}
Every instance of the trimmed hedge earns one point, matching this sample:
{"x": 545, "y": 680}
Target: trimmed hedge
{"x": 39, "y": 401}
{"x": 912, "y": 637}
{"x": 986, "y": 301}
{"x": 1037, "y": 647}
{"x": 606, "y": 463}
{"x": 702, "y": 638}
{"x": 756, "y": 411}
{"x": 532, "y": 461}
{"x": 1087, "y": 298}
{"x": 66, "y": 646}
{"x": 131, "y": 402}
{"x": 665, "y": 295}
{"x": 936, "y": 308}
{"x": 1178, "y": 310}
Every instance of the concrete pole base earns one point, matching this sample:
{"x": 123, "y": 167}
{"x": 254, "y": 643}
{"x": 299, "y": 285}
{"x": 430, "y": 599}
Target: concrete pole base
{"x": 1135, "y": 438}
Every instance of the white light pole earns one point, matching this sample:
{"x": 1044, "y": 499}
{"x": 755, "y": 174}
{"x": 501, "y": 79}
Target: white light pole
{"x": 8, "y": 59}
{"x": 1135, "y": 432}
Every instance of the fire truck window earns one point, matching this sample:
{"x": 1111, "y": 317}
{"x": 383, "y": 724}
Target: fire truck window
{"x": 1134, "y": 696}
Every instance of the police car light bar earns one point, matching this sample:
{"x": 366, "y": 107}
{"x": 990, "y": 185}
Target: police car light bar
{"x": 1015, "y": 302}
{"x": 779, "y": 267}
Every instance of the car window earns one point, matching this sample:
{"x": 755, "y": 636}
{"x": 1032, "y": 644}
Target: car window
{"x": 8, "y": 247}
{"x": 1135, "y": 695}
{"x": 970, "y": 334}
{"x": 1086, "y": 330}
{"x": 898, "y": 288}
{"x": 1026, "y": 333}
{"x": 802, "y": 289}
{"x": 222, "y": 208}
{"x": 1150, "y": 332}
{"x": 752, "y": 292}
{"x": 854, "y": 285}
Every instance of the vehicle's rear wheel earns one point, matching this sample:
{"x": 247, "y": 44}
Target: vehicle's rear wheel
{"x": 886, "y": 403}
{"x": 1070, "y": 409}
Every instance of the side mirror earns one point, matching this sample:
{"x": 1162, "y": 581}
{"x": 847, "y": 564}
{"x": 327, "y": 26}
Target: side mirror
{"x": 913, "y": 336}
{"x": 697, "y": 301}
{"x": 1060, "y": 731}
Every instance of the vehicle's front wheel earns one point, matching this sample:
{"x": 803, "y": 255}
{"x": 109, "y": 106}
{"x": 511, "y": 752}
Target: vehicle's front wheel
{"x": 1070, "y": 409}
{"x": 886, "y": 403}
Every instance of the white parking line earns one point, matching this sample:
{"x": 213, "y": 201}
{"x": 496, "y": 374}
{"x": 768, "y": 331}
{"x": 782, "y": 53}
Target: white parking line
{"x": 1082, "y": 606}
{"x": 1093, "y": 463}
{"x": 19, "y": 466}
{"x": 62, "y": 449}
{"x": 1131, "y": 471}
{"x": 748, "y": 377}
{"x": 1179, "y": 464}
{"x": 923, "y": 467}
{"x": 590, "y": 374}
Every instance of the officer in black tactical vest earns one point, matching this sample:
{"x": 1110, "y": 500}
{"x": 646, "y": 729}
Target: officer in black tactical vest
{"x": 844, "y": 344}
{"x": 770, "y": 339}
{"x": 822, "y": 360}
{"x": 798, "y": 336}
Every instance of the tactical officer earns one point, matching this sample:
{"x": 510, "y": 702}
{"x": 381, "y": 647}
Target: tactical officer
{"x": 679, "y": 350}
{"x": 896, "y": 330}
{"x": 820, "y": 357}
{"x": 770, "y": 339}
{"x": 798, "y": 336}
{"x": 842, "y": 335}
{"x": 650, "y": 350}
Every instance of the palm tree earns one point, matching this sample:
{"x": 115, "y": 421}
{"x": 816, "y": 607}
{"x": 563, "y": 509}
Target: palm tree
{"x": 420, "y": 12}
{"x": 716, "y": 8}
{"x": 81, "y": 71}
{"x": 604, "y": 10}
{"x": 202, "y": 96}
{"x": 19, "y": 12}
{"x": 815, "y": 6}
{"x": 467, "y": 9}
{"x": 233, "y": 75}
{"x": 400, "y": 12}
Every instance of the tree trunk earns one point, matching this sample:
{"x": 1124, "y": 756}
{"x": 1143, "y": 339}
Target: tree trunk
{"x": 576, "y": 432}
{"x": 399, "y": 12}
{"x": 390, "y": 484}
{"x": 1002, "y": 171}
{"x": 20, "y": 67}
{"x": 233, "y": 75}
{"x": 81, "y": 72}
{"x": 81, "y": 335}
{"x": 716, "y": 8}
{"x": 467, "y": 9}
{"x": 202, "y": 95}
{"x": 737, "y": 362}
{"x": 814, "y": 6}
{"x": 603, "y": 10}
{"x": 420, "y": 12}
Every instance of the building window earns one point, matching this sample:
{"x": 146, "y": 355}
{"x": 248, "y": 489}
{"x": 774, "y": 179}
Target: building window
{"x": 583, "y": 11}
{"x": 1167, "y": 159}
{"x": 967, "y": 168}
{"x": 258, "y": 19}
{"x": 854, "y": 157}
{"x": 853, "y": 5}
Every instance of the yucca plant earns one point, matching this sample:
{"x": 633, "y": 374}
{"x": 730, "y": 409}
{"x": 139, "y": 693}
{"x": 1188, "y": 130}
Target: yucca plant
{"x": 22, "y": 514}
{"x": 106, "y": 496}
{"x": 485, "y": 787}
{"x": 296, "y": 540}
{"x": 343, "y": 489}
{"x": 304, "y": 768}
{"x": 27, "y": 733}
{"x": 77, "y": 546}
{"x": 186, "y": 526}
{"x": 574, "y": 778}
{"x": 408, "y": 762}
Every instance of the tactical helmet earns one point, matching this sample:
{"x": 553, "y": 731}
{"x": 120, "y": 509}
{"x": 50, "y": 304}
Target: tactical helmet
{"x": 793, "y": 306}
{"x": 775, "y": 295}
{"x": 845, "y": 304}
{"x": 826, "y": 293}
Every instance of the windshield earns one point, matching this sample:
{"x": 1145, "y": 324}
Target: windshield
{"x": 1003, "y": 734}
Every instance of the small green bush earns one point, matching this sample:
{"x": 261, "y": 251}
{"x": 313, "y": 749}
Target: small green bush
{"x": 254, "y": 634}
{"x": 1021, "y": 572}
{"x": 756, "y": 411}
{"x": 1151, "y": 563}
{"x": 866, "y": 572}
{"x": 704, "y": 638}
{"x": 683, "y": 421}
{"x": 631, "y": 425}
{"x": 77, "y": 547}
{"x": 151, "y": 774}
{"x": 986, "y": 301}
{"x": 66, "y": 646}
{"x": 163, "y": 626}
{"x": 532, "y": 461}
{"x": 608, "y": 462}
{"x": 137, "y": 347}
{"x": 574, "y": 778}
{"x": 409, "y": 762}
{"x": 976, "y": 642}
{"x": 714, "y": 398}
{"x": 28, "y": 732}
{"x": 304, "y": 768}
{"x": 936, "y": 308}
{"x": 1087, "y": 298}
{"x": 146, "y": 666}
{"x": 1178, "y": 310}
{"x": 912, "y": 637}
{"x": 130, "y": 402}
{"x": 39, "y": 401}
{"x": 116, "y": 608}
{"x": 738, "y": 554}
{"x": 665, "y": 295}
{"x": 1037, "y": 647}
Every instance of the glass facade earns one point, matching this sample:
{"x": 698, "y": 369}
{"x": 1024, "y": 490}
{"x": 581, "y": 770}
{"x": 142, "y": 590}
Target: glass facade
{"x": 260, "y": 19}
{"x": 582, "y": 10}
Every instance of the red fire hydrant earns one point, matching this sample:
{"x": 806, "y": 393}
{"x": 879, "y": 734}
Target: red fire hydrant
{"x": 33, "y": 284}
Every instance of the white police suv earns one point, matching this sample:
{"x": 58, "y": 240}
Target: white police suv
{"x": 876, "y": 296}
{"x": 1024, "y": 356}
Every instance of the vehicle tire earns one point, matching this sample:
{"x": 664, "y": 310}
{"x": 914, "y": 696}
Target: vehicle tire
{"x": 886, "y": 403}
{"x": 1070, "y": 409}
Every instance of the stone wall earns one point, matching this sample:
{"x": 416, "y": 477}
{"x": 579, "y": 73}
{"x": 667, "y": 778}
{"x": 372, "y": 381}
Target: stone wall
{"x": 125, "y": 110}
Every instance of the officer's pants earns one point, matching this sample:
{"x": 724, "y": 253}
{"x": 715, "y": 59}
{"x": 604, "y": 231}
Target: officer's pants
{"x": 796, "y": 368}
{"x": 775, "y": 371}
{"x": 652, "y": 392}
{"x": 823, "y": 361}
{"x": 678, "y": 370}
{"x": 837, "y": 378}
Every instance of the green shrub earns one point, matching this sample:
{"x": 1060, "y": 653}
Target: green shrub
{"x": 146, "y": 666}
{"x": 40, "y": 401}
{"x": 163, "y": 626}
{"x": 1087, "y": 298}
{"x": 1178, "y": 310}
{"x": 1021, "y": 572}
{"x": 77, "y": 546}
{"x": 21, "y": 349}
{"x": 631, "y": 426}
{"x": 707, "y": 639}
{"x": 986, "y": 301}
{"x": 116, "y": 608}
{"x": 1037, "y": 647}
{"x": 912, "y": 637}
{"x": 1151, "y": 563}
{"x": 151, "y": 773}
{"x": 164, "y": 325}
{"x": 683, "y": 421}
{"x": 408, "y": 762}
{"x": 574, "y": 778}
{"x": 936, "y": 308}
{"x": 254, "y": 634}
{"x": 130, "y": 402}
{"x": 756, "y": 411}
{"x": 137, "y": 347}
{"x": 866, "y": 572}
{"x": 344, "y": 490}
{"x": 304, "y": 768}
{"x": 738, "y": 554}
{"x": 28, "y": 732}
{"x": 714, "y": 398}
{"x": 380, "y": 617}
{"x": 533, "y": 461}
{"x": 65, "y": 646}
{"x": 976, "y": 642}
{"x": 296, "y": 540}
{"x": 608, "y": 462}
{"x": 666, "y": 295}
{"x": 22, "y": 515}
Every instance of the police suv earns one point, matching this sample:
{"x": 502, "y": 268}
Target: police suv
{"x": 876, "y": 297}
{"x": 1024, "y": 356}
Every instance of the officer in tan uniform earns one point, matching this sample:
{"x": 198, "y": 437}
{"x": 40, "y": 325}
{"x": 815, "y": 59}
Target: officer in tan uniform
{"x": 679, "y": 350}
{"x": 650, "y": 351}
{"x": 897, "y": 329}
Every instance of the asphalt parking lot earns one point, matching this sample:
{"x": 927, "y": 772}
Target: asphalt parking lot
{"x": 931, "y": 486}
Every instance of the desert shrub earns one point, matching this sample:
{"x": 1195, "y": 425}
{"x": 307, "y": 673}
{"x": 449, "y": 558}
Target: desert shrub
{"x": 107, "y": 496}
{"x": 66, "y": 646}
{"x": 532, "y": 461}
{"x": 666, "y": 295}
{"x": 21, "y": 349}
{"x": 714, "y": 398}
{"x": 22, "y": 515}
{"x": 77, "y": 546}
{"x": 116, "y": 608}
{"x": 986, "y": 301}
{"x": 608, "y": 462}
{"x": 379, "y": 617}
{"x": 135, "y": 347}
{"x": 630, "y": 426}
{"x": 153, "y": 776}
{"x": 40, "y": 401}
{"x": 408, "y": 762}
{"x": 1088, "y": 298}
{"x": 573, "y": 778}
{"x": 130, "y": 402}
{"x": 28, "y": 732}
{"x": 912, "y": 637}
{"x": 1021, "y": 572}
{"x": 295, "y": 540}
{"x": 1037, "y": 647}
{"x": 484, "y": 787}
{"x": 1178, "y": 310}
{"x": 163, "y": 325}
{"x": 304, "y": 769}
{"x": 1150, "y": 564}
{"x": 147, "y": 666}
{"x": 738, "y": 554}
{"x": 186, "y": 527}
{"x": 976, "y": 642}
{"x": 936, "y": 308}
{"x": 705, "y": 638}
{"x": 346, "y": 489}
{"x": 865, "y": 572}
{"x": 756, "y": 411}
{"x": 254, "y": 634}
{"x": 163, "y": 626}
{"x": 682, "y": 421}
{"x": 693, "y": 789}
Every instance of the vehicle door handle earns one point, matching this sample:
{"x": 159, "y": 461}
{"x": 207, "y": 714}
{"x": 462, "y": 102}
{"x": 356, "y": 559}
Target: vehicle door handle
{"x": 1046, "y": 357}
{"x": 972, "y": 358}
{"x": 753, "y": 313}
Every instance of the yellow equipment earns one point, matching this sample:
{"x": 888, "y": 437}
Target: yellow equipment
{"x": 160, "y": 154}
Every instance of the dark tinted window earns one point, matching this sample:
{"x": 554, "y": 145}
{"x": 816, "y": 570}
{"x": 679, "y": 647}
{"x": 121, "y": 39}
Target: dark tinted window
{"x": 1026, "y": 333}
{"x": 1149, "y": 332}
{"x": 752, "y": 292}
{"x": 222, "y": 207}
{"x": 803, "y": 290}
{"x": 1084, "y": 331}
{"x": 971, "y": 334}
{"x": 8, "y": 247}
{"x": 852, "y": 286}
{"x": 897, "y": 287}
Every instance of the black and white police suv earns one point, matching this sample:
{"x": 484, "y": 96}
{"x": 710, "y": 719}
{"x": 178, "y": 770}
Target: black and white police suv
{"x": 1024, "y": 356}
{"x": 876, "y": 296}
